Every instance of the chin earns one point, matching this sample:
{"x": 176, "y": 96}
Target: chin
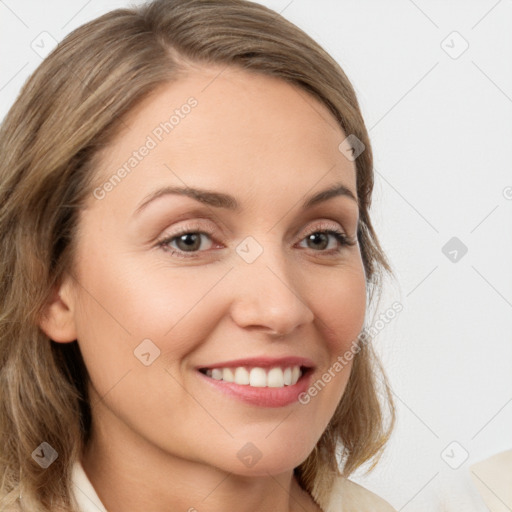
{"x": 271, "y": 456}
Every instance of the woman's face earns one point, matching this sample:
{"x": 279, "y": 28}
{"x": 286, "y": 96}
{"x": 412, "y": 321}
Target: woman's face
{"x": 238, "y": 280}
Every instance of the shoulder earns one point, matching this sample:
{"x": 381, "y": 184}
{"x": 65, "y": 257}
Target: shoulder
{"x": 347, "y": 496}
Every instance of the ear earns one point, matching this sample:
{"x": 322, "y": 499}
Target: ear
{"x": 58, "y": 318}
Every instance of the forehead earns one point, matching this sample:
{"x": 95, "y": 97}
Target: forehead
{"x": 219, "y": 125}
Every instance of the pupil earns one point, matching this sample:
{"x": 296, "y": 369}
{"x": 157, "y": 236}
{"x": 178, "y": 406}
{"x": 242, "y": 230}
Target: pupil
{"x": 321, "y": 237}
{"x": 190, "y": 240}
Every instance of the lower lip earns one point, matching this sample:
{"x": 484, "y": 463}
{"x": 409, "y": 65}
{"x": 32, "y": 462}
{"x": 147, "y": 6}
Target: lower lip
{"x": 264, "y": 396}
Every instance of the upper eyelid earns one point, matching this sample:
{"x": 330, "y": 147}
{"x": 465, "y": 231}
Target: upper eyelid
{"x": 194, "y": 226}
{"x": 342, "y": 215}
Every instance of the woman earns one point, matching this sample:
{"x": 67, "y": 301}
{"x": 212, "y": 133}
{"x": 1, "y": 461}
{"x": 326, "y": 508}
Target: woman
{"x": 187, "y": 260}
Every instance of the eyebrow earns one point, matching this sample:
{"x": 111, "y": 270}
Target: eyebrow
{"x": 228, "y": 202}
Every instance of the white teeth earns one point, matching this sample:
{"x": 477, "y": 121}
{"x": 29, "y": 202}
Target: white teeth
{"x": 241, "y": 376}
{"x": 295, "y": 374}
{"x": 275, "y": 378}
{"x": 227, "y": 375}
{"x": 257, "y": 377}
{"x": 216, "y": 374}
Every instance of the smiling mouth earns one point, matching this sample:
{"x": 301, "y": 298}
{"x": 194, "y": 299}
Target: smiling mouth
{"x": 258, "y": 377}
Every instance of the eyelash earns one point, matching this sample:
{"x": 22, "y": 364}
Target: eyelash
{"x": 341, "y": 237}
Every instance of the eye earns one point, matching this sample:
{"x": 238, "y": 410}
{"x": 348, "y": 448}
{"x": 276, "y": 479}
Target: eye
{"x": 188, "y": 240}
{"x": 327, "y": 239}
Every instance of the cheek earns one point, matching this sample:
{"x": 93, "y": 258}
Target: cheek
{"x": 129, "y": 311}
{"x": 340, "y": 303}
{"x": 123, "y": 303}
{"x": 338, "y": 297}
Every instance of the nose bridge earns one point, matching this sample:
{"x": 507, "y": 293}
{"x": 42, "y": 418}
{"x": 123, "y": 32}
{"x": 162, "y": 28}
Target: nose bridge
{"x": 267, "y": 294}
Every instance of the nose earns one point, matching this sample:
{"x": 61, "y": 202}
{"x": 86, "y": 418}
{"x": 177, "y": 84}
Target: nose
{"x": 267, "y": 295}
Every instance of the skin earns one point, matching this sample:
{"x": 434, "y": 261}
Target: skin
{"x": 161, "y": 438}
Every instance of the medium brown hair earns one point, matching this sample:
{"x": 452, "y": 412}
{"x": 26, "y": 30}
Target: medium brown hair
{"x": 67, "y": 112}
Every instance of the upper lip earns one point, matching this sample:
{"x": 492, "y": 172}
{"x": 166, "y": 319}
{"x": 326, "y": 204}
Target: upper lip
{"x": 261, "y": 362}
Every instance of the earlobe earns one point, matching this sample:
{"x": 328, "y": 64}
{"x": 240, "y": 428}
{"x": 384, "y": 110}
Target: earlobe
{"x": 58, "y": 318}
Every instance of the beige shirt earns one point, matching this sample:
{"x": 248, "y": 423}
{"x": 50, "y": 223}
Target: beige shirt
{"x": 347, "y": 496}
{"x": 493, "y": 478}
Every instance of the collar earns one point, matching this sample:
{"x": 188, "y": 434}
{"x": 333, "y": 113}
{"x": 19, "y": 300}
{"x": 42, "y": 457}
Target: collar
{"x": 88, "y": 500}
{"x": 85, "y": 495}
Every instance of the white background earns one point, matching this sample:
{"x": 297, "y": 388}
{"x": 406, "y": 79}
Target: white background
{"x": 441, "y": 129}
